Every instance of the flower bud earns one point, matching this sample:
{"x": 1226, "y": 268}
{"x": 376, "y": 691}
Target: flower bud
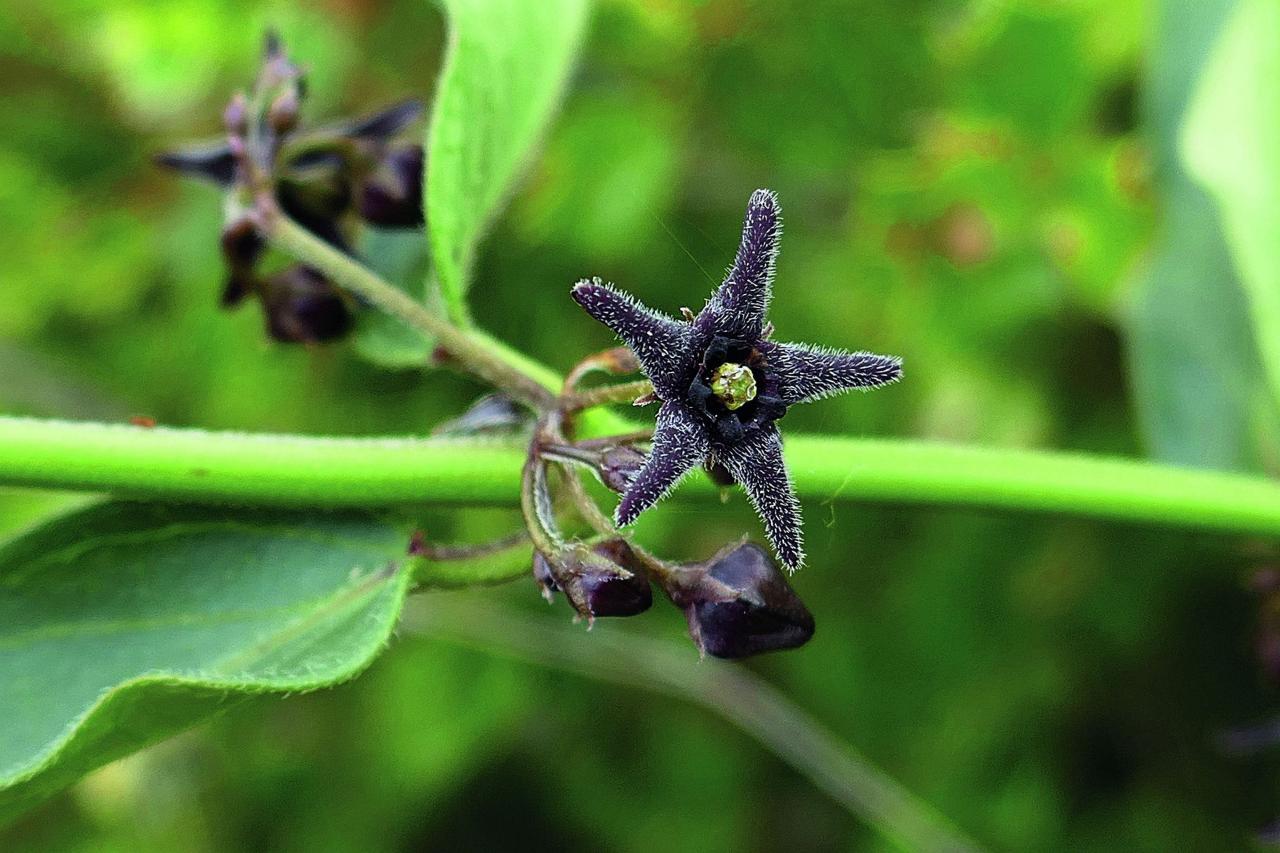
{"x": 235, "y": 117}
{"x": 601, "y": 580}
{"x": 282, "y": 115}
{"x": 392, "y": 197}
{"x": 739, "y": 604}
{"x": 242, "y": 246}
{"x": 618, "y": 466}
{"x": 304, "y": 307}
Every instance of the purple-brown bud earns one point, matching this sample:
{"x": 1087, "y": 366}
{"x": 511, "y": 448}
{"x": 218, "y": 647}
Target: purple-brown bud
{"x": 739, "y": 604}
{"x": 242, "y": 246}
{"x": 282, "y": 115}
{"x": 618, "y": 466}
{"x": 304, "y": 307}
{"x": 601, "y": 580}
{"x": 235, "y": 117}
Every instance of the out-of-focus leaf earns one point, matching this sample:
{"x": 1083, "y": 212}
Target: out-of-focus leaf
{"x": 614, "y": 159}
{"x": 123, "y": 623}
{"x": 1195, "y": 370}
{"x": 1231, "y": 144}
{"x": 505, "y": 67}
{"x": 400, "y": 257}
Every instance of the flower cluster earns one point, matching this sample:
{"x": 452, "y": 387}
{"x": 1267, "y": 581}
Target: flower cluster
{"x": 724, "y": 383}
{"x": 329, "y": 179}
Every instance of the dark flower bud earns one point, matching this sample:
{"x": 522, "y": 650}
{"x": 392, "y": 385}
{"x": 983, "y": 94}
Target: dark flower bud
{"x": 242, "y": 246}
{"x": 304, "y": 307}
{"x": 392, "y": 196}
{"x": 610, "y": 593}
{"x": 618, "y": 466}
{"x": 276, "y": 67}
{"x": 235, "y": 116}
{"x": 282, "y": 115}
{"x": 739, "y": 604}
{"x": 601, "y": 580}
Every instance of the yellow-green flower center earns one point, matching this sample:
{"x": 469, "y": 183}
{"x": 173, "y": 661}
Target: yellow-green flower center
{"x": 733, "y": 384}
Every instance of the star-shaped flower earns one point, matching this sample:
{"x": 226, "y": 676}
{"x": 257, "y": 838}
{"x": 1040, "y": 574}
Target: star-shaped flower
{"x": 723, "y": 383}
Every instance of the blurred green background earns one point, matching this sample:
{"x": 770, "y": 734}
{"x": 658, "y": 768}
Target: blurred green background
{"x": 990, "y": 189}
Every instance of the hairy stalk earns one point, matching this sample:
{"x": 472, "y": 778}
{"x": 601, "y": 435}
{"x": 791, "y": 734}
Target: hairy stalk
{"x": 742, "y": 698}
{"x": 474, "y": 351}
{"x": 447, "y": 568}
{"x": 438, "y": 552}
{"x": 273, "y": 470}
{"x": 538, "y": 517}
{"x": 616, "y": 440}
{"x": 625, "y": 392}
{"x": 612, "y": 361}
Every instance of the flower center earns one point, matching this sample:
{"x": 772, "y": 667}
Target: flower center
{"x": 733, "y": 384}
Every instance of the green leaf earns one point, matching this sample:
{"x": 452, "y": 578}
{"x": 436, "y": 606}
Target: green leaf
{"x": 400, "y": 257}
{"x": 1231, "y": 144}
{"x": 1196, "y": 375}
{"x": 505, "y": 67}
{"x": 124, "y": 623}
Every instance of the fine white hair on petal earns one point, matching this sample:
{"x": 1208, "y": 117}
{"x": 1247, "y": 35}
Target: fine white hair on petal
{"x": 741, "y": 302}
{"x": 660, "y": 343}
{"x": 756, "y": 462}
{"x": 679, "y": 443}
{"x": 813, "y": 372}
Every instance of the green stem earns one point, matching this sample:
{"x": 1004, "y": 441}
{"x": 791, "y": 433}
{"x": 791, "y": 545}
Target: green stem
{"x": 477, "y": 352}
{"x": 172, "y": 464}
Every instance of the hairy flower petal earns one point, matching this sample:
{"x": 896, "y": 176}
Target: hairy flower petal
{"x": 810, "y": 373}
{"x": 679, "y": 443}
{"x": 738, "y": 307}
{"x": 659, "y": 342}
{"x": 385, "y": 123}
{"x": 756, "y": 463}
{"x": 214, "y": 163}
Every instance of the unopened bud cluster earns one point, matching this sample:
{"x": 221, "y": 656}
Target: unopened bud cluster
{"x": 737, "y": 604}
{"x": 331, "y": 179}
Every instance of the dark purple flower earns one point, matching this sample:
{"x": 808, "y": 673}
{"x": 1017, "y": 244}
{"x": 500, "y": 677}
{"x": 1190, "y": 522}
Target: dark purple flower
{"x": 242, "y": 246}
{"x": 739, "y": 604}
{"x": 618, "y": 466}
{"x": 302, "y": 306}
{"x": 392, "y": 197}
{"x": 723, "y": 383}
{"x": 321, "y": 177}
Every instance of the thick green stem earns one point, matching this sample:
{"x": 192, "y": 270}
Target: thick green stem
{"x": 170, "y": 464}
{"x": 477, "y": 352}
